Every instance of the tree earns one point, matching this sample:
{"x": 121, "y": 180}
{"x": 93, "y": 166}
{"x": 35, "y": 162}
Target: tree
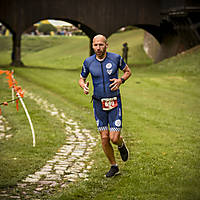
{"x": 46, "y": 28}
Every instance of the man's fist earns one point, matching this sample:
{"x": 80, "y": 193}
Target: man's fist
{"x": 86, "y": 88}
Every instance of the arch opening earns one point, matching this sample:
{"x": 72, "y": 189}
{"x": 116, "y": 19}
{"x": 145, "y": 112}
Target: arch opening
{"x": 76, "y": 28}
{"x": 142, "y": 44}
{"x": 5, "y": 44}
{"x": 65, "y": 34}
{"x": 79, "y": 25}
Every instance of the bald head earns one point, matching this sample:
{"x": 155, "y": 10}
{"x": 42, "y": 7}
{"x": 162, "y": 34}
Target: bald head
{"x": 100, "y": 38}
{"x": 100, "y": 45}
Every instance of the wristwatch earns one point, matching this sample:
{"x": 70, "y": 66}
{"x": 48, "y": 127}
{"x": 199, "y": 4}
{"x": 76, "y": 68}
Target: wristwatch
{"x": 123, "y": 80}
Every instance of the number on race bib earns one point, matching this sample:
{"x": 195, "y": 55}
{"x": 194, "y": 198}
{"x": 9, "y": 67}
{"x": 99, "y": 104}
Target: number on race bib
{"x": 109, "y": 103}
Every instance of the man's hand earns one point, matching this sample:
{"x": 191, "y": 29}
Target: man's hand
{"x": 83, "y": 85}
{"x": 86, "y": 88}
{"x": 116, "y": 83}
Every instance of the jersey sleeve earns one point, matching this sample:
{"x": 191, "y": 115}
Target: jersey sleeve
{"x": 122, "y": 64}
{"x": 85, "y": 70}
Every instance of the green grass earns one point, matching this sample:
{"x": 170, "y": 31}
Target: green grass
{"x": 161, "y": 123}
{"x": 17, "y": 156}
{"x": 55, "y": 51}
{"x": 136, "y": 54}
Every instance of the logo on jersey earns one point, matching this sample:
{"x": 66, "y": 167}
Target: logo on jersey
{"x": 109, "y": 71}
{"x": 118, "y": 123}
{"x": 108, "y": 66}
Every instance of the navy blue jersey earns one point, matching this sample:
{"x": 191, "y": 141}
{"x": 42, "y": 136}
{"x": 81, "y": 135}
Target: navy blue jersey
{"x": 102, "y": 72}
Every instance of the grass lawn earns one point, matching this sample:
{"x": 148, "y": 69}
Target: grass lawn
{"x": 161, "y": 124}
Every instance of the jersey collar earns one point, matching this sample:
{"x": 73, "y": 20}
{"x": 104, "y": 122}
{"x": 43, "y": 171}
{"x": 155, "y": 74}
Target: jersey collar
{"x": 101, "y": 60}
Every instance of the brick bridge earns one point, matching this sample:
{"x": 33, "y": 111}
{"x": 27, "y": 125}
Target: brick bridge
{"x": 174, "y": 23}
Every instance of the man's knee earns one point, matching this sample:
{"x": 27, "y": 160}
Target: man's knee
{"x": 105, "y": 139}
{"x": 115, "y": 138}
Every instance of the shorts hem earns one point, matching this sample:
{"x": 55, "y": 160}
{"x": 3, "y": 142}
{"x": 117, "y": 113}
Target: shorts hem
{"x": 114, "y": 129}
{"x": 103, "y": 128}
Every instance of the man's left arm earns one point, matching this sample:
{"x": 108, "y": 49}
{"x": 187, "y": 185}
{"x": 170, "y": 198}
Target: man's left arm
{"x": 117, "y": 82}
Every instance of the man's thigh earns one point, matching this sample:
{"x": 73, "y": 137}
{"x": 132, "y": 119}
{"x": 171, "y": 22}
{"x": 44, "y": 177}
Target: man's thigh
{"x": 115, "y": 118}
{"x": 101, "y": 116}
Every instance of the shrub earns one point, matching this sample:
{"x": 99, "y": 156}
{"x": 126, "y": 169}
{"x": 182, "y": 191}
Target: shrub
{"x": 46, "y": 28}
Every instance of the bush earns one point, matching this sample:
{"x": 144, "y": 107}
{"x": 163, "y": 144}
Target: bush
{"x": 46, "y": 28}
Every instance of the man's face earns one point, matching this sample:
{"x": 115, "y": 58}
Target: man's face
{"x": 99, "y": 45}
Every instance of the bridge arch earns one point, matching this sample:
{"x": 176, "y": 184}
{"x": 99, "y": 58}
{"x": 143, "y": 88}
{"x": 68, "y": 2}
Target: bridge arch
{"x": 6, "y": 25}
{"x": 152, "y": 39}
{"x": 86, "y": 29}
{"x": 107, "y": 16}
{"x": 77, "y": 23}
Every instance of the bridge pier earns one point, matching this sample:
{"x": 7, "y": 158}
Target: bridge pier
{"x": 90, "y": 47}
{"x": 168, "y": 48}
{"x": 16, "y": 50}
{"x": 178, "y": 34}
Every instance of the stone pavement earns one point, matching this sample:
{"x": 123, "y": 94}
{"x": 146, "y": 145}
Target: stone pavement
{"x": 71, "y": 162}
{"x": 4, "y": 129}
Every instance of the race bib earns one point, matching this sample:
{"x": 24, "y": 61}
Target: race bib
{"x": 109, "y": 103}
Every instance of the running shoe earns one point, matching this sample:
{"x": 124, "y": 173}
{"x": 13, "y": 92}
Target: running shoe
{"x": 123, "y": 152}
{"x": 114, "y": 170}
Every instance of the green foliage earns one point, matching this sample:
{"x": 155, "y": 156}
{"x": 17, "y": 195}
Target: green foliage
{"x": 46, "y": 28}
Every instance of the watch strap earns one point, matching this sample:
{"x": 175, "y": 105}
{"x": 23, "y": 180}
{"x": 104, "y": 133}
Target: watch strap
{"x": 123, "y": 80}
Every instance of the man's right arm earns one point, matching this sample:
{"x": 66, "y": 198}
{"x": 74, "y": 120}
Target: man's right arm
{"x": 82, "y": 81}
{"x": 83, "y": 85}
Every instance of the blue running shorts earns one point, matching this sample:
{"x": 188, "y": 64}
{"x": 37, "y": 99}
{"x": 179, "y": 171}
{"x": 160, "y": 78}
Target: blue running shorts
{"x": 103, "y": 118}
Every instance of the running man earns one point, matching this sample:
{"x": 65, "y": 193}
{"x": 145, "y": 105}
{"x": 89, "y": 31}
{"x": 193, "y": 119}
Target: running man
{"x": 104, "y": 67}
